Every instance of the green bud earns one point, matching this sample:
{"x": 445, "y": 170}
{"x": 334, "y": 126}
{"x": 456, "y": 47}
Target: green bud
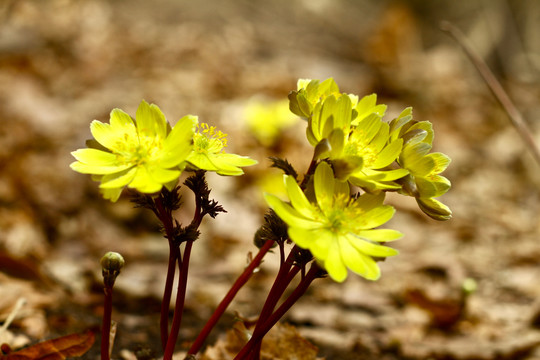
{"x": 469, "y": 286}
{"x": 323, "y": 147}
{"x": 111, "y": 264}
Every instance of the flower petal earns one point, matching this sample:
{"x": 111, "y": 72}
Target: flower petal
{"x": 379, "y": 235}
{"x": 164, "y": 176}
{"x": 432, "y": 186}
{"x": 122, "y": 122}
{"x": 178, "y": 144}
{"x": 376, "y": 217}
{"x": 150, "y": 121}
{"x": 324, "y": 185}
{"x": 371, "y": 249}
{"x": 367, "y": 128}
{"x": 297, "y": 197}
{"x": 369, "y": 201}
{"x": 106, "y": 135}
{"x": 434, "y": 209}
{"x": 118, "y": 180}
{"x": 359, "y": 263}
{"x": 288, "y": 214}
{"x": 111, "y": 194}
{"x": 92, "y": 161}
{"x": 143, "y": 181}
{"x": 388, "y": 154}
{"x": 334, "y": 264}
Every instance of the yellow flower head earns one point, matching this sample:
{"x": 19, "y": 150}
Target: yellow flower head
{"x": 209, "y": 154}
{"x": 338, "y": 229}
{"x": 423, "y": 181}
{"x": 145, "y": 154}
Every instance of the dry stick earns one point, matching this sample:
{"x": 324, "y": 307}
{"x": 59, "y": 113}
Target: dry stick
{"x": 495, "y": 87}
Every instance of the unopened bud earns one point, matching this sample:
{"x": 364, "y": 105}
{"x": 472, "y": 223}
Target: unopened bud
{"x": 111, "y": 264}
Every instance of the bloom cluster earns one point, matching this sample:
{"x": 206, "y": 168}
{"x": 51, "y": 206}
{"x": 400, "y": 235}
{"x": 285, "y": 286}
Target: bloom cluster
{"x": 148, "y": 154}
{"x": 354, "y": 148}
{"x": 332, "y": 214}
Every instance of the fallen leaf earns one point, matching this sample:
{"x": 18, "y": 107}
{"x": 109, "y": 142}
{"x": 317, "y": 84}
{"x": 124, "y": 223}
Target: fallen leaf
{"x": 55, "y": 349}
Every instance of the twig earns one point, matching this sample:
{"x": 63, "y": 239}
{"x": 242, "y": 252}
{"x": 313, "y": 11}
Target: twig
{"x": 13, "y": 314}
{"x": 496, "y": 88}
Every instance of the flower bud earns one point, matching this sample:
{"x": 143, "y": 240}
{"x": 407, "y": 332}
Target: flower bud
{"x": 111, "y": 264}
{"x": 112, "y": 261}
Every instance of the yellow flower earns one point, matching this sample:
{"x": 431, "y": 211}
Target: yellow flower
{"x": 338, "y": 229}
{"x": 144, "y": 155}
{"x": 209, "y": 154}
{"x": 423, "y": 181}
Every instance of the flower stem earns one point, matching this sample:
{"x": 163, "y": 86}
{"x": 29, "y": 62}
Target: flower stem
{"x": 239, "y": 283}
{"x": 180, "y": 299}
{"x": 257, "y": 336}
{"x": 165, "y": 217}
{"x": 174, "y": 255}
{"x": 106, "y": 323}
{"x": 282, "y": 281}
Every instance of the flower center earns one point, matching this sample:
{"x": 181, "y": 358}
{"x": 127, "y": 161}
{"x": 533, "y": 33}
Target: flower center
{"x": 357, "y": 147}
{"x": 138, "y": 151}
{"x": 208, "y": 140}
{"x": 342, "y": 217}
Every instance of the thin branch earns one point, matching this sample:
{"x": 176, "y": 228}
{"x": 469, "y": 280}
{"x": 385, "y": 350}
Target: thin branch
{"x": 496, "y": 88}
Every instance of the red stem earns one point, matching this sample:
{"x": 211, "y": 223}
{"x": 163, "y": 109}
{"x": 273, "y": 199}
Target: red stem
{"x": 257, "y": 336}
{"x": 239, "y": 283}
{"x": 180, "y": 299}
{"x": 282, "y": 281}
{"x": 174, "y": 255}
{"x": 165, "y": 217}
{"x": 106, "y": 323}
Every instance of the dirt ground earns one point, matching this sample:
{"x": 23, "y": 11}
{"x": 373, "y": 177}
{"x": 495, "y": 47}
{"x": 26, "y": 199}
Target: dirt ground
{"x": 64, "y": 63}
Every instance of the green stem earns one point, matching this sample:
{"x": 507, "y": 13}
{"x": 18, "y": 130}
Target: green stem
{"x": 239, "y": 283}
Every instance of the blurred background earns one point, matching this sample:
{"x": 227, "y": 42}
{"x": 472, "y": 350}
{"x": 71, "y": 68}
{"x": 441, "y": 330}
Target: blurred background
{"x": 64, "y": 63}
